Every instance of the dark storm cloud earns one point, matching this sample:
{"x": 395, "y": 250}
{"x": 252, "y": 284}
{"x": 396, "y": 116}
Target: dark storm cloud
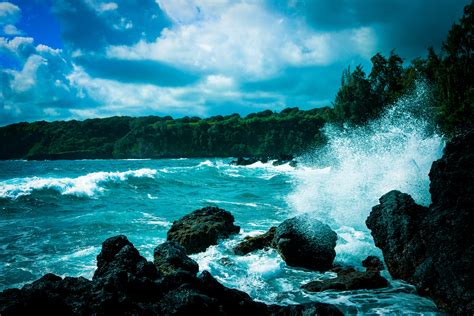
{"x": 409, "y": 26}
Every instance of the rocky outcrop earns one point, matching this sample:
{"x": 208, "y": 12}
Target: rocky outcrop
{"x": 305, "y": 242}
{"x": 277, "y": 160}
{"x": 202, "y": 228}
{"x": 349, "y": 279}
{"x": 256, "y": 243}
{"x": 373, "y": 263}
{"x": 432, "y": 248}
{"x": 170, "y": 258}
{"x": 126, "y": 284}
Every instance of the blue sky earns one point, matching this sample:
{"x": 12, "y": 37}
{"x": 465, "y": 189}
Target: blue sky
{"x": 77, "y": 59}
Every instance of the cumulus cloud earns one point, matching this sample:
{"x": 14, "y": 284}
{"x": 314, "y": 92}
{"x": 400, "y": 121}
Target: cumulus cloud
{"x": 244, "y": 40}
{"x": 199, "y": 57}
{"x": 9, "y": 16}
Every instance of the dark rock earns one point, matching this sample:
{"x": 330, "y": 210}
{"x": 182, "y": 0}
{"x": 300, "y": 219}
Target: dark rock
{"x": 119, "y": 256}
{"x": 126, "y": 285}
{"x": 433, "y": 248}
{"x": 347, "y": 280}
{"x": 373, "y": 263}
{"x": 395, "y": 221}
{"x": 256, "y": 243}
{"x": 305, "y": 242}
{"x": 283, "y": 159}
{"x": 171, "y": 257}
{"x": 233, "y": 302}
{"x": 202, "y": 228}
{"x": 308, "y": 309}
{"x": 244, "y": 161}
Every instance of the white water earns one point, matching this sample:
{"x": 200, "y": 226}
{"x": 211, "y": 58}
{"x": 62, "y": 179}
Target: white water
{"x": 342, "y": 182}
{"x": 87, "y": 185}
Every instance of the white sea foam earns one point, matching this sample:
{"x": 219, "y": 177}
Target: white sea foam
{"x": 87, "y": 185}
{"x": 232, "y": 203}
{"x": 342, "y": 182}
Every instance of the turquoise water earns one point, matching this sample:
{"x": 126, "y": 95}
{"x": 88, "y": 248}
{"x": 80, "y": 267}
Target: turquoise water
{"x": 54, "y": 215}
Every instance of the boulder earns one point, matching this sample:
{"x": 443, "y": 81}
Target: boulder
{"x": 373, "y": 263}
{"x": 202, "y": 228}
{"x": 255, "y": 243}
{"x": 433, "y": 247}
{"x": 118, "y": 256}
{"x": 305, "y": 242}
{"x": 245, "y": 161}
{"x": 170, "y": 257}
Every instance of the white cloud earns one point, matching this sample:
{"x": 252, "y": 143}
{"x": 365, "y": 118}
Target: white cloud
{"x": 109, "y": 6}
{"x": 10, "y": 29}
{"x": 26, "y": 78}
{"x": 241, "y": 40}
{"x": 9, "y": 13}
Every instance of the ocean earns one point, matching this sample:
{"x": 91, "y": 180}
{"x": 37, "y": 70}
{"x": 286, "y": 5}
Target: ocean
{"x": 54, "y": 215}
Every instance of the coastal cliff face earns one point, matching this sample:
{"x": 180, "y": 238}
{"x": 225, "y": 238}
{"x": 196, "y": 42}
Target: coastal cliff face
{"x": 432, "y": 248}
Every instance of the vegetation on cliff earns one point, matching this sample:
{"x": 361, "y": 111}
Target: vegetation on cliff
{"x": 361, "y": 97}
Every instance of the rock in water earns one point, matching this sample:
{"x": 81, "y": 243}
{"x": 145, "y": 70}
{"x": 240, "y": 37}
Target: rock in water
{"x": 202, "y": 228}
{"x": 126, "y": 284}
{"x": 433, "y": 248}
{"x": 256, "y": 243}
{"x": 170, "y": 257}
{"x": 305, "y": 242}
{"x": 373, "y": 263}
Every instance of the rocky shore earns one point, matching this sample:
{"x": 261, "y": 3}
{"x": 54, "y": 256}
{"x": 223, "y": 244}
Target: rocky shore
{"x": 429, "y": 247}
{"x": 433, "y": 247}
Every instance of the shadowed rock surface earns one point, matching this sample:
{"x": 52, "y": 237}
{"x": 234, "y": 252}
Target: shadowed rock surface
{"x": 256, "y": 243}
{"x": 305, "y": 242}
{"x": 432, "y": 248}
{"x": 170, "y": 257}
{"x": 126, "y": 284}
{"x": 202, "y": 228}
{"x": 349, "y": 279}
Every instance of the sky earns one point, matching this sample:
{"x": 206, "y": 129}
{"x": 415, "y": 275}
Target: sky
{"x": 79, "y": 59}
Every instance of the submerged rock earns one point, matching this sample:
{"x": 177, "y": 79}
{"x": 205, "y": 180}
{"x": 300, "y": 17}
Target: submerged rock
{"x": 256, "y": 243}
{"x": 170, "y": 257}
{"x": 305, "y": 242}
{"x": 349, "y": 279}
{"x": 202, "y": 228}
{"x": 126, "y": 284}
{"x": 433, "y": 247}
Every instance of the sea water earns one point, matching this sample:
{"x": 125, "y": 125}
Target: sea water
{"x": 54, "y": 215}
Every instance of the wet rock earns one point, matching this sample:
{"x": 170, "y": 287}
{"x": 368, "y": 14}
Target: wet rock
{"x": 125, "y": 285}
{"x": 202, "y": 228}
{"x": 245, "y": 161}
{"x": 305, "y": 242}
{"x": 256, "y": 243}
{"x": 305, "y": 310}
{"x": 432, "y": 247}
{"x": 347, "y": 280}
{"x": 373, "y": 263}
{"x": 170, "y": 257}
{"x": 119, "y": 256}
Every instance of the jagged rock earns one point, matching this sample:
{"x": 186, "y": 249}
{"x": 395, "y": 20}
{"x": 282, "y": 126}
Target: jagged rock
{"x": 308, "y": 309}
{"x": 373, "y": 263}
{"x": 118, "y": 255}
{"x": 347, "y": 280}
{"x": 305, "y": 242}
{"x": 170, "y": 257}
{"x": 256, "y": 243}
{"x": 124, "y": 285}
{"x": 433, "y": 248}
{"x": 202, "y": 228}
